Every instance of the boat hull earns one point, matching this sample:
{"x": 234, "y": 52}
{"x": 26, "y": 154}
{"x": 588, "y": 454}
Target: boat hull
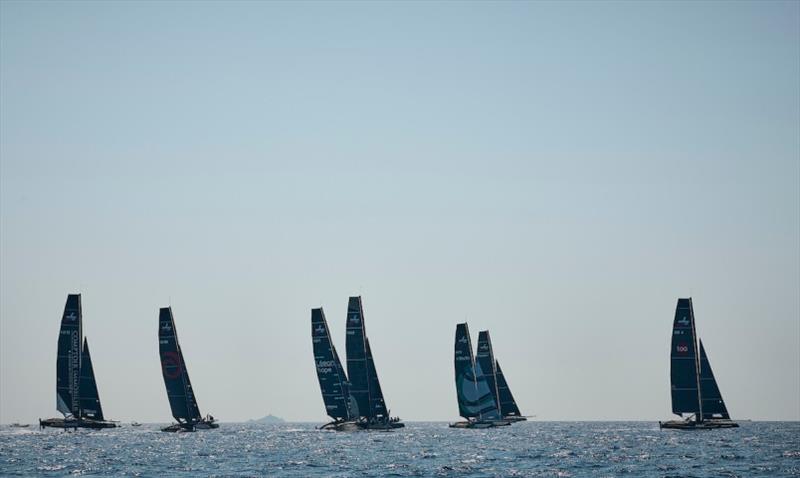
{"x": 704, "y": 425}
{"x": 64, "y": 423}
{"x": 341, "y": 426}
{"x": 514, "y": 419}
{"x": 356, "y": 425}
{"x": 382, "y": 426}
{"x": 480, "y": 425}
{"x": 190, "y": 427}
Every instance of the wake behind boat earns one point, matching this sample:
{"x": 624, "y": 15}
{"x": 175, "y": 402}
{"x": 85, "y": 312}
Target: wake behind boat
{"x": 76, "y": 388}
{"x": 693, "y": 386}
{"x": 181, "y": 396}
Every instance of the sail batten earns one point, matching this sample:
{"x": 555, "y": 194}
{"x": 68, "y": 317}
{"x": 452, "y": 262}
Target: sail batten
{"x": 330, "y": 373}
{"x": 182, "y": 401}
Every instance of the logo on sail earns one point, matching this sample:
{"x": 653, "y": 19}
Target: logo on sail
{"x": 320, "y": 330}
{"x": 684, "y": 321}
{"x": 682, "y": 348}
{"x": 166, "y": 327}
{"x": 171, "y": 365}
{"x": 354, "y": 319}
{"x": 71, "y": 316}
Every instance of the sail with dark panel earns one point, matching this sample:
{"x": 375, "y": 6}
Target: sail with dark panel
{"x": 357, "y": 366}
{"x": 475, "y": 400}
{"x": 485, "y": 357}
{"x": 713, "y": 405}
{"x": 684, "y": 364}
{"x": 377, "y": 403}
{"x": 176, "y": 378}
{"x": 330, "y": 373}
{"x": 68, "y": 359}
{"x": 508, "y": 406}
{"x": 89, "y": 398}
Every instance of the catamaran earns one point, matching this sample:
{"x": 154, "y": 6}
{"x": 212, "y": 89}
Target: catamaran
{"x": 694, "y": 389}
{"x": 496, "y": 380}
{"x": 181, "y": 397}
{"x": 476, "y": 401}
{"x": 365, "y": 388}
{"x": 353, "y": 399}
{"x": 76, "y": 388}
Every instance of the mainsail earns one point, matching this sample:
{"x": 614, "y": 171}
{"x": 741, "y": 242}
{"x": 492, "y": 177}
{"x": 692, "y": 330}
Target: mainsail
{"x": 89, "y": 398}
{"x": 332, "y": 379}
{"x": 176, "y": 378}
{"x": 68, "y": 359}
{"x": 713, "y": 405}
{"x": 377, "y": 403}
{"x": 357, "y": 366}
{"x": 485, "y": 357}
{"x": 475, "y": 400}
{"x": 684, "y": 363}
{"x": 508, "y": 407}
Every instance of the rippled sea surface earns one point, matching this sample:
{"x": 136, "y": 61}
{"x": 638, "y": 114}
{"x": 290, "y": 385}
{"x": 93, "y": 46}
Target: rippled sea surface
{"x": 421, "y": 449}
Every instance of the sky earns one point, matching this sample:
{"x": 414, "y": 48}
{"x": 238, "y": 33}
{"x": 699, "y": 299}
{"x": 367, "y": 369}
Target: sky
{"x": 558, "y": 173}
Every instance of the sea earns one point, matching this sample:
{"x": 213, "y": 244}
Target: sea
{"x": 534, "y": 448}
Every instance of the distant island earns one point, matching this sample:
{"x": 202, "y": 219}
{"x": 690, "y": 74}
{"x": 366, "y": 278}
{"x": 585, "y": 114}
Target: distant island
{"x": 267, "y": 419}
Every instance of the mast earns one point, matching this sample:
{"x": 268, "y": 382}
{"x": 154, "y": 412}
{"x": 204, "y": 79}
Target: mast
{"x": 699, "y": 416}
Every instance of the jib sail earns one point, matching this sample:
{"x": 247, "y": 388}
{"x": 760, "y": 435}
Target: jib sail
{"x": 89, "y": 398}
{"x": 713, "y": 405}
{"x": 377, "y": 403}
{"x": 508, "y": 406}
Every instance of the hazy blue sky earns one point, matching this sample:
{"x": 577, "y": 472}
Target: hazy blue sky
{"x": 559, "y": 173}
